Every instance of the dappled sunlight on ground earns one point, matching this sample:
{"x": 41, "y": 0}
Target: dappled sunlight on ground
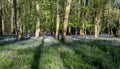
{"x": 48, "y": 53}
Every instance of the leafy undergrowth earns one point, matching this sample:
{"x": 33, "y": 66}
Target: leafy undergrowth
{"x": 38, "y": 54}
{"x": 96, "y": 54}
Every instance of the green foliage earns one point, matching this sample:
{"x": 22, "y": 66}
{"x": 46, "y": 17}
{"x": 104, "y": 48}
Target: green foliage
{"x": 48, "y": 11}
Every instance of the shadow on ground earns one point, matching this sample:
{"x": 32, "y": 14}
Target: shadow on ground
{"x": 6, "y": 40}
{"x": 37, "y": 56}
{"x": 46, "y": 54}
{"x": 101, "y": 54}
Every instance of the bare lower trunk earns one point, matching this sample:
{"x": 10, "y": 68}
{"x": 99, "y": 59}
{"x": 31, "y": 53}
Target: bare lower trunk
{"x": 76, "y": 31}
{"x": 69, "y": 30}
{"x": 85, "y": 30}
{"x": 96, "y": 32}
{"x": 28, "y": 33}
{"x": 53, "y": 33}
{"x": 82, "y": 30}
{"x": 3, "y": 27}
{"x": 57, "y": 27}
{"x": 12, "y": 18}
{"x": 97, "y": 27}
{"x": 37, "y": 32}
{"x": 112, "y": 32}
{"x": 0, "y": 17}
{"x": 19, "y": 24}
{"x": 67, "y": 11}
{"x": 20, "y": 33}
{"x": 118, "y": 31}
{"x": 57, "y": 21}
{"x": 97, "y": 18}
{"x": 83, "y": 15}
{"x": 109, "y": 31}
{"x": 15, "y": 16}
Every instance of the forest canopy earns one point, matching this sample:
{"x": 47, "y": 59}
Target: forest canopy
{"x": 55, "y": 17}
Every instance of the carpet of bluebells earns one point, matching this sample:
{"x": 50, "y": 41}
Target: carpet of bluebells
{"x": 49, "y": 53}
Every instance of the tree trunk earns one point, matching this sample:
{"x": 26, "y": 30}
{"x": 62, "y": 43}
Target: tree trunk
{"x": 3, "y": 27}
{"x": 85, "y": 30}
{"x": 57, "y": 21}
{"x": 15, "y": 16}
{"x": 86, "y": 15}
{"x": 83, "y": 17}
{"x": 69, "y": 30}
{"x": 37, "y": 32}
{"x": 0, "y": 17}
{"x": 76, "y": 31}
{"x": 12, "y": 17}
{"x": 19, "y": 24}
{"x": 82, "y": 32}
{"x": 109, "y": 29}
{"x": 97, "y": 16}
{"x": 97, "y": 26}
{"x": 96, "y": 32}
{"x": 119, "y": 28}
{"x": 66, "y": 18}
{"x": 20, "y": 34}
{"x": 118, "y": 31}
{"x": 108, "y": 25}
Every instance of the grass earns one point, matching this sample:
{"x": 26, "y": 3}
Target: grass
{"x": 97, "y": 54}
{"x": 39, "y": 54}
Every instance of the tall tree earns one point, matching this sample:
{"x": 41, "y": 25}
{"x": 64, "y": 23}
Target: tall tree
{"x": 109, "y": 7}
{"x": 57, "y": 21}
{"x": 37, "y": 32}
{"x": 67, "y": 12}
{"x": 0, "y": 17}
{"x": 19, "y": 24}
{"x": 118, "y": 30}
{"x": 15, "y": 16}
{"x": 119, "y": 24}
{"x": 82, "y": 30}
{"x": 12, "y": 17}
{"x": 97, "y": 17}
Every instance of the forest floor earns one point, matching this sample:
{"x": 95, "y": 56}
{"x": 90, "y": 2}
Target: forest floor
{"x": 49, "y": 53}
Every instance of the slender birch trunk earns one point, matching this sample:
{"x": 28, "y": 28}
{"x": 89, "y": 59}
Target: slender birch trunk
{"x": 57, "y": 21}
{"x": 37, "y": 32}
{"x": 66, "y": 18}
{"x": 0, "y": 17}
